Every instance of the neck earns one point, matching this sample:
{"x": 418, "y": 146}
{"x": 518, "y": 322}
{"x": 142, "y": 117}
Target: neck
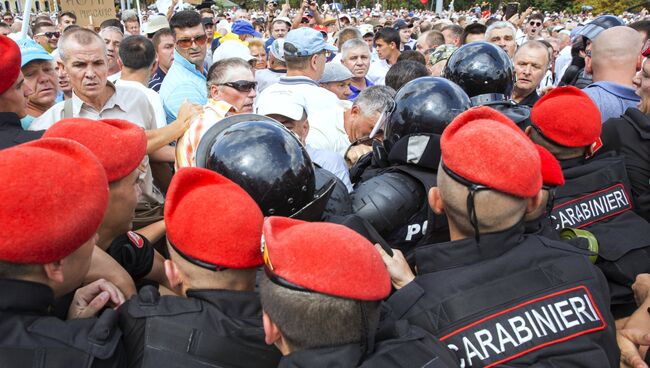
{"x": 518, "y": 94}
{"x": 311, "y": 74}
{"x": 623, "y": 78}
{"x": 99, "y": 101}
{"x": 113, "y": 70}
{"x": 165, "y": 70}
{"x": 359, "y": 83}
{"x": 106, "y": 237}
{"x": 243, "y": 282}
{"x": 34, "y": 109}
{"x": 392, "y": 59}
{"x": 141, "y": 76}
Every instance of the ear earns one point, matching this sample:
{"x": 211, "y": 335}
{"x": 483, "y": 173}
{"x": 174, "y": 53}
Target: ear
{"x": 533, "y": 203}
{"x": 174, "y": 275}
{"x": 355, "y": 110}
{"x": 435, "y": 201}
{"x": 312, "y": 61}
{"x": 215, "y": 92}
{"x": 154, "y": 66}
{"x": 588, "y": 65}
{"x": 528, "y": 130}
{"x": 54, "y": 271}
{"x": 639, "y": 62}
{"x": 272, "y": 333}
{"x": 120, "y": 63}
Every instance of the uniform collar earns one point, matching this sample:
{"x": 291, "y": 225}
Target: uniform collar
{"x": 25, "y": 297}
{"x": 343, "y": 356}
{"x": 572, "y": 162}
{"x": 236, "y": 304}
{"x": 442, "y": 256}
{"x": 9, "y": 119}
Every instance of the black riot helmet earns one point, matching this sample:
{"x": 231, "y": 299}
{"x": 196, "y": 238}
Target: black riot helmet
{"x": 423, "y": 105}
{"x": 267, "y": 161}
{"x": 483, "y": 70}
{"x": 593, "y": 28}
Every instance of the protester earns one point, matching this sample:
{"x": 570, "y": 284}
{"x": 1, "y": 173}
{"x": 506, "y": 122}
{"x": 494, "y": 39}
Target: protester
{"x": 355, "y": 55}
{"x": 40, "y": 78}
{"x": 112, "y": 37}
{"x": 336, "y": 79}
{"x": 531, "y": 63}
{"x": 387, "y": 42}
{"x": 46, "y": 34}
{"x": 503, "y": 35}
{"x": 163, "y": 42}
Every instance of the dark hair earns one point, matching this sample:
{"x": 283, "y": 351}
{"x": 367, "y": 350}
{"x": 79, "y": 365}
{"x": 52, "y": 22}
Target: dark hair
{"x": 36, "y": 29}
{"x": 67, "y": 14}
{"x": 8, "y": 13}
{"x": 312, "y": 320}
{"x": 412, "y": 55}
{"x": 206, "y": 10}
{"x": 403, "y": 72}
{"x": 388, "y": 35}
{"x": 538, "y": 16}
{"x": 184, "y": 19}
{"x": 4, "y": 25}
{"x": 474, "y": 28}
{"x": 112, "y": 23}
{"x": 454, "y": 28}
{"x": 160, "y": 34}
{"x": 10, "y": 270}
{"x": 642, "y": 26}
{"x": 137, "y": 52}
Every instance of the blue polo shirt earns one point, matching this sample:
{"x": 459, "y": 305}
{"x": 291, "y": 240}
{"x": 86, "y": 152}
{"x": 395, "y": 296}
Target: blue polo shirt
{"x": 182, "y": 82}
{"x": 356, "y": 91}
{"x": 612, "y": 99}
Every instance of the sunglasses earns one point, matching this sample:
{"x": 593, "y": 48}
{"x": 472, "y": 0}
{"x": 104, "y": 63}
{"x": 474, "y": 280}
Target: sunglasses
{"x": 645, "y": 51}
{"x": 186, "y": 43}
{"x": 241, "y": 86}
{"x": 535, "y": 24}
{"x": 50, "y": 34}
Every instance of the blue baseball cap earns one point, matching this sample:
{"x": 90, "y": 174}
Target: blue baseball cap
{"x": 241, "y": 27}
{"x": 30, "y": 51}
{"x": 307, "y": 41}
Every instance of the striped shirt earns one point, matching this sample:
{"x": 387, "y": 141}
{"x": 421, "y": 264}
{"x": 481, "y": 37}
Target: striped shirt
{"x": 187, "y": 144}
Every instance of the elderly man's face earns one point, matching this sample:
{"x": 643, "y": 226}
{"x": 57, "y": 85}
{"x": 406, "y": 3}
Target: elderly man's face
{"x": 87, "y": 68}
{"x": 530, "y": 67}
{"x": 241, "y": 91}
{"x": 42, "y": 80}
{"x": 112, "y": 39}
{"x": 505, "y": 39}
{"x": 133, "y": 27}
{"x": 191, "y": 43}
{"x": 357, "y": 60}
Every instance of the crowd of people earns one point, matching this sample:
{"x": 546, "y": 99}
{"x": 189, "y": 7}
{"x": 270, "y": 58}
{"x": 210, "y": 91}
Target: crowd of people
{"x": 319, "y": 187}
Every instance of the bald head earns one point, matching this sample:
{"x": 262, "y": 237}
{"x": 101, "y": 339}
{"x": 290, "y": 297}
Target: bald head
{"x": 616, "y": 55}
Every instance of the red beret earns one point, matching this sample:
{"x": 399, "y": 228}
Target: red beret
{"x": 568, "y": 117}
{"x": 119, "y": 145}
{"x": 551, "y": 171}
{"x": 213, "y": 220}
{"x": 9, "y": 63}
{"x": 326, "y": 258}
{"x": 485, "y": 147}
{"x": 54, "y": 195}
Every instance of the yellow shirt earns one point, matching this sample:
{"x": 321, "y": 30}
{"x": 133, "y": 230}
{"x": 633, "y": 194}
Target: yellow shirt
{"x": 187, "y": 144}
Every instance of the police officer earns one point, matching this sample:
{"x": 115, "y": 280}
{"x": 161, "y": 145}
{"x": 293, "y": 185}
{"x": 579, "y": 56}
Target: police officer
{"x": 321, "y": 291}
{"x": 13, "y": 95}
{"x": 491, "y": 294}
{"x": 213, "y": 233}
{"x": 49, "y": 222}
{"x": 596, "y": 196}
{"x": 269, "y": 162}
{"x": 120, "y": 147}
{"x": 485, "y": 72}
{"x": 392, "y": 182}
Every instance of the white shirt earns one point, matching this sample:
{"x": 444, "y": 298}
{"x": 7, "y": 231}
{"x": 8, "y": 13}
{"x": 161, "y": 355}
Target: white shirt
{"x": 562, "y": 63}
{"x": 152, "y": 96}
{"x": 324, "y": 111}
{"x": 377, "y": 72}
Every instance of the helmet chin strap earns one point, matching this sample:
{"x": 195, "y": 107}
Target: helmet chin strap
{"x": 486, "y": 98}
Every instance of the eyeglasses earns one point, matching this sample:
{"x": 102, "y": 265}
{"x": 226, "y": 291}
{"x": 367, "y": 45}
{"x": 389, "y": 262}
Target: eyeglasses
{"x": 50, "y": 34}
{"x": 241, "y": 86}
{"x": 645, "y": 51}
{"x": 186, "y": 43}
{"x": 535, "y": 24}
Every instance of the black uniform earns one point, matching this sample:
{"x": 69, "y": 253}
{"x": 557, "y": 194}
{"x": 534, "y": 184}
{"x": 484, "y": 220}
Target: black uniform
{"x": 133, "y": 252}
{"x": 209, "y": 328}
{"x": 395, "y": 200}
{"x": 513, "y": 299}
{"x": 629, "y": 135}
{"x": 596, "y": 197}
{"x": 12, "y": 132}
{"x": 400, "y": 346}
{"x": 30, "y": 337}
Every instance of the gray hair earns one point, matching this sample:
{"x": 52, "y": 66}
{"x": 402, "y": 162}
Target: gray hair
{"x": 353, "y": 44}
{"x": 373, "y": 100}
{"x": 80, "y": 35}
{"x": 110, "y": 29}
{"x": 499, "y": 25}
